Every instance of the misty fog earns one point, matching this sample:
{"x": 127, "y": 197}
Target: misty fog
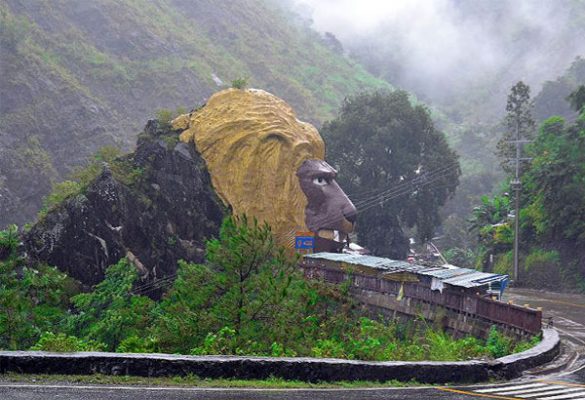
{"x": 443, "y": 48}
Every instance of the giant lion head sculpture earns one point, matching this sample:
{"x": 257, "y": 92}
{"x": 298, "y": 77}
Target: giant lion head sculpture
{"x": 266, "y": 163}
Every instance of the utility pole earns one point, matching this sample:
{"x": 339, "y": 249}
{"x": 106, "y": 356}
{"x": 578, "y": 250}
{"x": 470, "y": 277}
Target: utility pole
{"x": 520, "y": 124}
{"x": 516, "y": 186}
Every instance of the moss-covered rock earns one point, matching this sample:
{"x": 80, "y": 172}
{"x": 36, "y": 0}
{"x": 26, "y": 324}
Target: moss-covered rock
{"x": 155, "y": 206}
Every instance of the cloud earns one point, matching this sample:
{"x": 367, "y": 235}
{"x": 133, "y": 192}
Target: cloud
{"x": 443, "y": 42}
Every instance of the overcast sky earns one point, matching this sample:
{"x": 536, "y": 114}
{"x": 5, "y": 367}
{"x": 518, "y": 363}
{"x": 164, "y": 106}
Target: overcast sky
{"x": 436, "y": 39}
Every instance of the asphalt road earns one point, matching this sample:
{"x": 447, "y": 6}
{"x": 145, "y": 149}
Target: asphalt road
{"x": 548, "y": 390}
{"x": 564, "y": 379}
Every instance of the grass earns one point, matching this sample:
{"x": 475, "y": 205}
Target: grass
{"x": 195, "y": 381}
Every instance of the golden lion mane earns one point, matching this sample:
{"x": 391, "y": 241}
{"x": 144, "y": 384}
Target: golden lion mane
{"x": 253, "y": 145}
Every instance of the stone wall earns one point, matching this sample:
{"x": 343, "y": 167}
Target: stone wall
{"x": 305, "y": 369}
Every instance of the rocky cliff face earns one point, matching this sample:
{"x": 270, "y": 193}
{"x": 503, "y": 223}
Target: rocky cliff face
{"x": 164, "y": 214}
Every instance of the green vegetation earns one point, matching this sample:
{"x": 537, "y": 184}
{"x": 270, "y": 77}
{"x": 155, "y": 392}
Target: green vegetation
{"x": 519, "y": 125}
{"x": 195, "y": 381}
{"x": 111, "y": 314}
{"x": 33, "y": 300}
{"x": 110, "y": 157}
{"x": 240, "y": 83}
{"x": 552, "y": 216}
{"x": 166, "y": 116}
{"x": 248, "y": 299}
{"x": 395, "y": 165}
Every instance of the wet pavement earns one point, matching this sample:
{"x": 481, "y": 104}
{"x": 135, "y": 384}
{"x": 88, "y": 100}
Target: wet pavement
{"x": 568, "y": 317}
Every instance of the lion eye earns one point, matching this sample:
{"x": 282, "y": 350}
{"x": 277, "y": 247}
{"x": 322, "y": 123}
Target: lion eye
{"x": 320, "y": 181}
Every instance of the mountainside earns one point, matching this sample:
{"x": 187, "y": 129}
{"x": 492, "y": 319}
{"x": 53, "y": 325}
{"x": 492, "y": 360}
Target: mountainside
{"x": 79, "y": 75}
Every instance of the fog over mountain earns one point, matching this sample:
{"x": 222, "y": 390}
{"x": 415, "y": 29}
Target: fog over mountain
{"x": 441, "y": 48}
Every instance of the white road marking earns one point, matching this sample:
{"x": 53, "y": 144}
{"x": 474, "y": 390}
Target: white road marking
{"x": 529, "y": 386}
{"x": 550, "y": 393}
{"x": 539, "y": 389}
{"x": 564, "y": 396}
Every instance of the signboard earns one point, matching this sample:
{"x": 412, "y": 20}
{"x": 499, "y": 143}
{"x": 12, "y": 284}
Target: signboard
{"x": 304, "y": 240}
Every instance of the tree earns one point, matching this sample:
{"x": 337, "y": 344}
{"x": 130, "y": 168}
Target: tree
{"x": 397, "y": 168}
{"x": 519, "y": 125}
{"x": 250, "y": 294}
{"x": 577, "y": 99}
{"x": 556, "y": 181}
{"x": 111, "y": 313}
{"x": 33, "y": 298}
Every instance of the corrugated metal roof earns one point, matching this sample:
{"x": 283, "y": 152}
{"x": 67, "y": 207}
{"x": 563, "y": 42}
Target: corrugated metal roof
{"x": 461, "y": 277}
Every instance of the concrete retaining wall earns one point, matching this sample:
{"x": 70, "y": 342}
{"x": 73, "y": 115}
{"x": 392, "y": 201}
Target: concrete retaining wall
{"x": 305, "y": 369}
{"x": 463, "y": 312}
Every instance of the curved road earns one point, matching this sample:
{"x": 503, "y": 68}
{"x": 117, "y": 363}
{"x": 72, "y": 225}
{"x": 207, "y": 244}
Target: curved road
{"x": 563, "y": 379}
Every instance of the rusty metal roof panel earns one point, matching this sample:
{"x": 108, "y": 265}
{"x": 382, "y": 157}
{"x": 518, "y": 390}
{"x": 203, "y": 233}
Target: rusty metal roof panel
{"x": 447, "y": 273}
{"x": 356, "y": 259}
{"x": 461, "y": 277}
{"x": 473, "y": 279}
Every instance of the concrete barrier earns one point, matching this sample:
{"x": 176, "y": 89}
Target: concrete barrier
{"x": 305, "y": 369}
{"x": 512, "y": 366}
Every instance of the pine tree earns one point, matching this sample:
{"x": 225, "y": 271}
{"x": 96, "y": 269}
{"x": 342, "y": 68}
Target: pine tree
{"x": 519, "y": 125}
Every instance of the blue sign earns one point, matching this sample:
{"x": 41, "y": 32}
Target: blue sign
{"x": 304, "y": 242}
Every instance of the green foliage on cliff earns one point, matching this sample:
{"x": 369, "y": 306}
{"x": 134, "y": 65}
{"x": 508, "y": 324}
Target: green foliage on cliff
{"x": 106, "y": 157}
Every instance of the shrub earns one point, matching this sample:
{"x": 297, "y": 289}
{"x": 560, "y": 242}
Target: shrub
{"x": 222, "y": 342}
{"x": 504, "y": 263}
{"x": 8, "y": 242}
{"x": 111, "y": 313}
{"x": 61, "y": 342}
{"x": 497, "y": 344}
{"x": 542, "y": 268}
{"x": 164, "y": 117}
{"x": 136, "y": 344}
{"x": 240, "y": 83}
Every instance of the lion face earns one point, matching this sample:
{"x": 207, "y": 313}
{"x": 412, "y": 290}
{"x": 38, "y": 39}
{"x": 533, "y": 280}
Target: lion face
{"x": 329, "y": 212}
{"x": 256, "y": 152}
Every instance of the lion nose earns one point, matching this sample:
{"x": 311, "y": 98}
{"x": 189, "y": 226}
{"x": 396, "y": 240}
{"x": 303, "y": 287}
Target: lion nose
{"x": 349, "y": 212}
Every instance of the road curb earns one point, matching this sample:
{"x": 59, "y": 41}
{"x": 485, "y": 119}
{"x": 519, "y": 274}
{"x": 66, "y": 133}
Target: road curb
{"x": 513, "y": 365}
{"x": 304, "y": 369}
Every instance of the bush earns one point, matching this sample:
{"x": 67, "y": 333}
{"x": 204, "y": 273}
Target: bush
{"x": 222, "y": 342}
{"x": 135, "y": 344}
{"x": 542, "y": 268}
{"x": 497, "y": 344}
{"x": 111, "y": 313}
{"x": 504, "y": 263}
{"x": 8, "y": 242}
{"x": 61, "y": 342}
{"x": 240, "y": 83}
{"x": 164, "y": 117}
